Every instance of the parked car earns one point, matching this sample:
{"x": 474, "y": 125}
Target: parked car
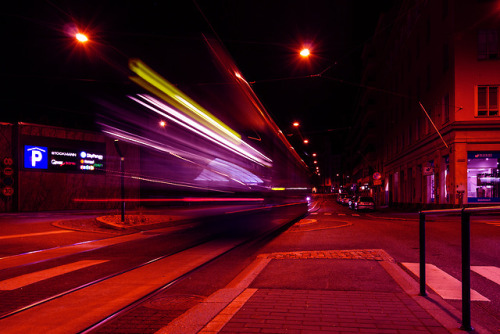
{"x": 340, "y": 198}
{"x": 365, "y": 203}
{"x": 345, "y": 200}
{"x": 352, "y": 201}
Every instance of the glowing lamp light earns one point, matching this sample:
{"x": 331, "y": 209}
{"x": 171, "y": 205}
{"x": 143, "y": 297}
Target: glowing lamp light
{"x": 315, "y": 161}
{"x": 296, "y": 124}
{"x": 81, "y": 37}
{"x": 306, "y": 141}
{"x": 163, "y": 124}
{"x": 305, "y": 52}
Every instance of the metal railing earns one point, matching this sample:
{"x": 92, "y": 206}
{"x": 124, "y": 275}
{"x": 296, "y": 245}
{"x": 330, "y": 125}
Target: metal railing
{"x": 465, "y": 214}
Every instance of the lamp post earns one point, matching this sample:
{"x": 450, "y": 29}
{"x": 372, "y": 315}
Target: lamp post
{"x": 122, "y": 179}
{"x": 82, "y": 38}
{"x": 305, "y": 52}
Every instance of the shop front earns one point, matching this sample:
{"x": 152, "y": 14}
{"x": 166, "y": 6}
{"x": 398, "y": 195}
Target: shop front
{"x": 483, "y": 177}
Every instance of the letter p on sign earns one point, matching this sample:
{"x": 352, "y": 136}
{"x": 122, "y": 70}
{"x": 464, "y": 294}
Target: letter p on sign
{"x": 36, "y": 157}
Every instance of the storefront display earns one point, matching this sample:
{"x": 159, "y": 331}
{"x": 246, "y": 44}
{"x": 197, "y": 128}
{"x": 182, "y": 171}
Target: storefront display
{"x": 483, "y": 177}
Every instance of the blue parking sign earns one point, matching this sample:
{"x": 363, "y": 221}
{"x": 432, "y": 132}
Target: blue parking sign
{"x": 35, "y": 157}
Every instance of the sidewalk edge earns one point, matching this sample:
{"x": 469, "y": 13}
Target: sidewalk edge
{"x": 448, "y": 316}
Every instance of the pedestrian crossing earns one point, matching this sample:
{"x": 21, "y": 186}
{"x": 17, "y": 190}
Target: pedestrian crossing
{"x": 13, "y": 236}
{"x": 491, "y": 273}
{"x": 27, "y": 279}
{"x": 447, "y": 286}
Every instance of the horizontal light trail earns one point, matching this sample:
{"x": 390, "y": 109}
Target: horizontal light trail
{"x": 12, "y": 236}
{"x": 177, "y": 117}
{"x": 187, "y": 199}
{"x": 24, "y": 280}
{"x": 447, "y": 286}
{"x": 263, "y": 208}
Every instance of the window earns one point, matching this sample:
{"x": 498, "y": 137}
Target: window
{"x": 428, "y": 31}
{"x": 445, "y": 8}
{"x": 417, "y": 49}
{"x": 428, "y": 81}
{"x": 446, "y": 108}
{"x": 487, "y": 44}
{"x": 409, "y": 134}
{"x": 487, "y": 100}
{"x": 446, "y": 57}
{"x": 417, "y": 128}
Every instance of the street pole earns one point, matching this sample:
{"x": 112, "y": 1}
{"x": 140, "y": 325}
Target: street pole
{"x": 122, "y": 187}
{"x": 122, "y": 179}
{"x": 422, "y": 253}
{"x": 466, "y": 306}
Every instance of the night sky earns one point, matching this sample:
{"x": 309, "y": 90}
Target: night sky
{"x": 50, "y": 79}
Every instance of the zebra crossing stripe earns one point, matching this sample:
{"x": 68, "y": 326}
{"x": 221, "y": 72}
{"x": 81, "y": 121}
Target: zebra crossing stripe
{"x": 491, "y": 273}
{"x": 23, "y": 280}
{"x": 447, "y": 286}
{"x": 13, "y": 236}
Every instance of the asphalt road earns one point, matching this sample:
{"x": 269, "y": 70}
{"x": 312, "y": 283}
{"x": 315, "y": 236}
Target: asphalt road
{"x": 332, "y": 227}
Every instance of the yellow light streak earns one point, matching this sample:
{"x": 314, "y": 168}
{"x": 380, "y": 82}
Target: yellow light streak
{"x": 154, "y": 83}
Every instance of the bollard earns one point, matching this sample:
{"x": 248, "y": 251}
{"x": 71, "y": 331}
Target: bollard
{"x": 422, "y": 253}
{"x": 466, "y": 316}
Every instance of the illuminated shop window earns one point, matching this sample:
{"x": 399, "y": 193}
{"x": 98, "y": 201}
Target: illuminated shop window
{"x": 483, "y": 177}
{"x": 428, "y": 172}
{"x": 487, "y": 100}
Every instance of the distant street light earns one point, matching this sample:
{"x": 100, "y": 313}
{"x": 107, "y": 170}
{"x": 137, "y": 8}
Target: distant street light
{"x": 314, "y": 154}
{"x": 296, "y": 124}
{"x": 163, "y": 124}
{"x": 306, "y": 141}
{"x": 305, "y": 53}
{"x": 82, "y": 38}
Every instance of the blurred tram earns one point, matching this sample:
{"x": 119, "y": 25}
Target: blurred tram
{"x": 203, "y": 133}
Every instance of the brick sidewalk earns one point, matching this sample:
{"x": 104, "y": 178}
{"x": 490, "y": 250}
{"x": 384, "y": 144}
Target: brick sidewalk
{"x": 315, "y": 311}
{"x": 274, "y": 306}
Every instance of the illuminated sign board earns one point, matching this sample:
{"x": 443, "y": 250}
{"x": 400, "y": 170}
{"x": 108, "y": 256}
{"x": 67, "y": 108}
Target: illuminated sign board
{"x": 35, "y": 157}
{"x": 74, "y": 156}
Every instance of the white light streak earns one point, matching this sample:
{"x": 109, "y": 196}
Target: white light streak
{"x": 197, "y": 128}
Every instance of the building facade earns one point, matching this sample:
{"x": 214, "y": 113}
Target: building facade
{"x": 428, "y": 119}
{"x": 55, "y": 168}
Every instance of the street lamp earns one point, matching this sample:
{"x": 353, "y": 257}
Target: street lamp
{"x": 296, "y": 124}
{"x": 306, "y": 141}
{"x": 163, "y": 123}
{"x": 82, "y": 38}
{"x": 305, "y": 52}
